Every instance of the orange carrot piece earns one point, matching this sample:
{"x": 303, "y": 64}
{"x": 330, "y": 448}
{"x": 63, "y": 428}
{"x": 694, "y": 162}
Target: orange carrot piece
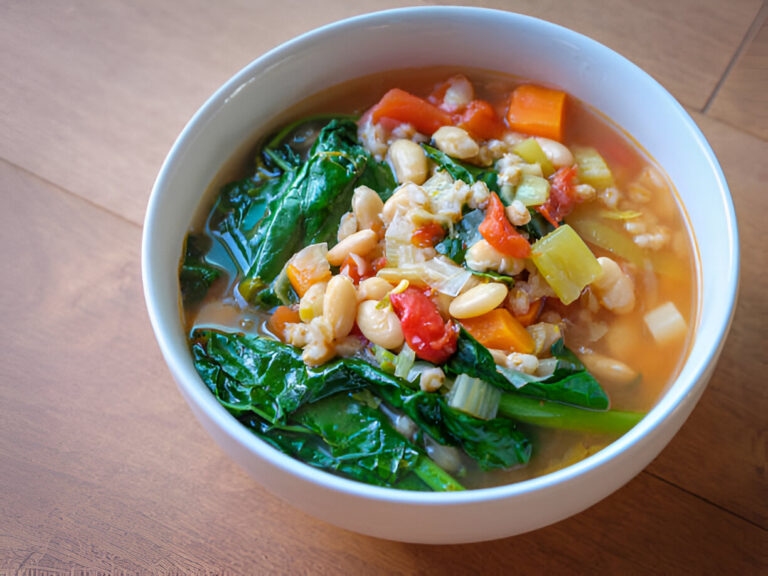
{"x": 499, "y": 329}
{"x": 481, "y": 120}
{"x": 537, "y": 111}
{"x": 405, "y": 107}
{"x": 302, "y": 278}
{"x": 533, "y": 313}
{"x": 280, "y": 317}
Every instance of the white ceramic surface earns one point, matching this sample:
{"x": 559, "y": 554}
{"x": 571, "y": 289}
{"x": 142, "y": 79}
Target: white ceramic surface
{"x": 433, "y": 36}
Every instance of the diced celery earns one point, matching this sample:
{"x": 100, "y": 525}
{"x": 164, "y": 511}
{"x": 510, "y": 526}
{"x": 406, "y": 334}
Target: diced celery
{"x": 386, "y": 359}
{"x": 530, "y": 151}
{"x": 592, "y": 168}
{"x": 532, "y": 190}
{"x": 475, "y": 397}
{"x": 566, "y": 262}
{"x": 404, "y": 362}
{"x": 607, "y": 237}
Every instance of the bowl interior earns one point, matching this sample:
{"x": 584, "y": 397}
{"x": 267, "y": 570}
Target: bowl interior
{"x": 477, "y": 38}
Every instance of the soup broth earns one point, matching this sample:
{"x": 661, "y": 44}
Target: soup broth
{"x": 636, "y": 222}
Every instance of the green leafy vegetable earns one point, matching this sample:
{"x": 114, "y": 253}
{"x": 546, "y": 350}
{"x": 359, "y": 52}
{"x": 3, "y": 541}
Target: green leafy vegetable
{"x": 196, "y": 275}
{"x": 309, "y": 208}
{"x": 463, "y": 235}
{"x": 459, "y": 170}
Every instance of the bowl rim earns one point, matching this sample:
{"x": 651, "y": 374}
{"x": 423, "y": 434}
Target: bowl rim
{"x": 196, "y": 392}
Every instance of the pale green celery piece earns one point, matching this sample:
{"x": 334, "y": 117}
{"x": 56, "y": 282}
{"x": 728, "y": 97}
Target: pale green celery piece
{"x": 530, "y": 151}
{"x": 532, "y": 190}
{"x": 607, "y": 237}
{"x": 566, "y": 262}
{"x": 386, "y": 359}
{"x": 404, "y": 362}
{"x": 592, "y": 168}
{"x": 475, "y": 397}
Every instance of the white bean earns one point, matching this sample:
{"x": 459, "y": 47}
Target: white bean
{"x": 311, "y": 304}
{"x": 615, "y": 290}
{"x": 340, "y": 305}
{"x": 607, "y": 369}
{"x": 478, "y": 300}
{"x": 380, "y": 325}
{"x": 558, "y": 154}
{"x": 360, "y": 243}
{"x": 367, "y": 207}
{"x": 347, "y": 226}
{"x": 373, "y": 289}
{"x": 408, "y": 161}
{"x": 456, "y": 142}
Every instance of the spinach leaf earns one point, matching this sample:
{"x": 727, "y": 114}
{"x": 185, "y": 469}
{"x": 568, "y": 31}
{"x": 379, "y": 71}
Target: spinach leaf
{"x": 251, "y": 373}
{"x": 538, "y": 227}
{"x": 467, "y": 173}
{"x": 196, "y": 275}
{"x": 309, "y": 208}
{"x": 491, "y": 443}
{"x": 238, "y": 209}
{"x": 375, "y": 454}
{"x": 493, "y": 276}
{"x": 269, "y": 378}
{"x": 462, "y": 236}
{"x": 570, "y": 383}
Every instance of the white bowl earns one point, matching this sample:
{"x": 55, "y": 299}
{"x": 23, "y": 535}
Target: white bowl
{"x": 470, "y": 37}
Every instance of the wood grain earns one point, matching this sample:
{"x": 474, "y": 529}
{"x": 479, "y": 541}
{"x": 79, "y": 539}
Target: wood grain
{"x": 729, "y": 429}
{"x": 103, "y": 469}
{"x": 95, "y": 93}
{"x": 742, "y": 100}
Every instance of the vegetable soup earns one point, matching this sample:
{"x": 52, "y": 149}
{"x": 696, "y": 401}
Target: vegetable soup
{"x": 439, "y": 279}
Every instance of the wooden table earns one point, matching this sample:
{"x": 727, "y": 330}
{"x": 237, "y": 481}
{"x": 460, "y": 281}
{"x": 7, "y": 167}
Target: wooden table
{"x": 103, "y": 469}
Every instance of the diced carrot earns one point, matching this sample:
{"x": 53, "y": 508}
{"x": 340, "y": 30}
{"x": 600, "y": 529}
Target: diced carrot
{"x": 533, "y": 313}
{"x": 498, "y": 231}
{"x": 281, "y": 316}
{"x": 481, "y": 120}
{"x": 302, "y": 278}
{"x": 562, "y": 196}
{"x": 537, "y": 111}
{"x": 499, "y": 329}
{"x": 405, "y": 107}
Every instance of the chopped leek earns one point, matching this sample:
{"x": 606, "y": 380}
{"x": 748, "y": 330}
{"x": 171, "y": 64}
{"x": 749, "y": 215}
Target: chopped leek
{"x": 566, "y": 263}
{"x": 530, "y": 151}
{"x": 440, "y": 273}
{"x": 475, "y": 397}
{"x": 532, "y": 190}
{"x": 592, "y": 168}
{"x": 404, "y": 362}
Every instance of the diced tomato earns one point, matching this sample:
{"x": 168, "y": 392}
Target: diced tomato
{"x": 431, "y": 338}
{"x": 481, "y": 120}
{"x": 405, "y": 107}
{"x": 378, "y": 264}
{"x": 562, "y": 196}
{"x": 499, "y": 232}
{"x": 428, "y": 235}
